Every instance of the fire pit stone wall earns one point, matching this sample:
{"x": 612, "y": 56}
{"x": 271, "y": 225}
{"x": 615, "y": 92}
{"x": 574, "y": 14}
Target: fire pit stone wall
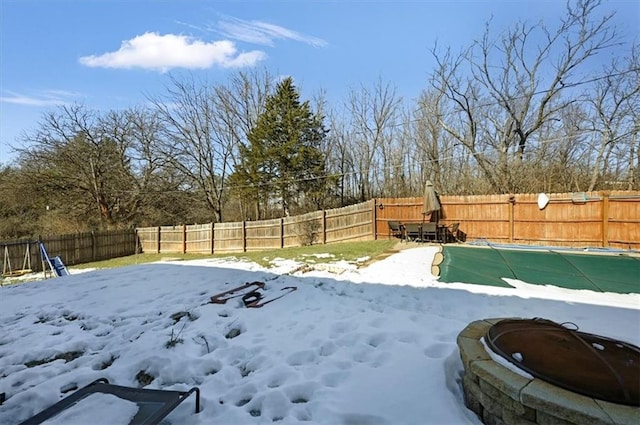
{"x": 500, "y": 396}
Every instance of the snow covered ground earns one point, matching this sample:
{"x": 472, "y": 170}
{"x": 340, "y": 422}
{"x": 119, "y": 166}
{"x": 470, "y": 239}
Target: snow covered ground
{"x": 373, "y": 345}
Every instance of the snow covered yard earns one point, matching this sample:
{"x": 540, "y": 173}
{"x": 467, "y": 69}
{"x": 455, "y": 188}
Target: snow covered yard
{"x": 375, "y": 345}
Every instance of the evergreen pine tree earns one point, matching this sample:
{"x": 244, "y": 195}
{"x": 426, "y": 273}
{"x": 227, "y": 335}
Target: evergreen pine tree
{"x": 282, "y": 161}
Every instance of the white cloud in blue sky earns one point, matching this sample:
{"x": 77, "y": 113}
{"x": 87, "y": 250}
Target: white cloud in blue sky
{"x": 46, "y": 98}
{"x": 164, "y": 52}
{"x": 264, "y": 33}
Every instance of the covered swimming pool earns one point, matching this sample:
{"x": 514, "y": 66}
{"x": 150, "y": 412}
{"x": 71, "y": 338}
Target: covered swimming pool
{"x": 601, "y": 270}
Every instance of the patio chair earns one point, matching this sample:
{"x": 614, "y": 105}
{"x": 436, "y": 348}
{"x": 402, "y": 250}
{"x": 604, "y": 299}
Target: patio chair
{"x": 430, "y": 232}
{"x": 413, "y": 231}
{"x": 153, "y": 405}
{"x": 452, "y": 233}
{"x": 395, "y": 229}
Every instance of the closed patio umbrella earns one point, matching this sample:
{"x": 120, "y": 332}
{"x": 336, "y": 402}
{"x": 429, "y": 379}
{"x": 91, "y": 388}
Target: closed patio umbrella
{"x": 431, "y": 203}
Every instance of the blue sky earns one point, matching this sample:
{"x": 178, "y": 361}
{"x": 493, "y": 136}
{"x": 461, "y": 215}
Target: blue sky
{"x": 109, "y": 54}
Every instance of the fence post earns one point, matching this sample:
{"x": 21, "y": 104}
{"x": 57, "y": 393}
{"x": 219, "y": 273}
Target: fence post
{"x": 512, "y": 203}
{"x": 605, "y": 219}
{"x": 244, "y": 236}
{"x": 93, "y": 246}
{"x": 184, "y": 238}
{"x": 159, "y": 238}
{"x": 138, "y": 243}
{"x": 42, "y": 264}
{"x": 213, "y": 241}
{"x": 281, "y": 232}
{"x": 374, "y": 218}
{"x": 324, "y": 227}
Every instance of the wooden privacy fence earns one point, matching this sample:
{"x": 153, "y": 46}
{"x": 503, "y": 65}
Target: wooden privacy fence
{"x": 75, "y": 248}
{"x": 352, "y": 223}
{"x": 592, "y": 219}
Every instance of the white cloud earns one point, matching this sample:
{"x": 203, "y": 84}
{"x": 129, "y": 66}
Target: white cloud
{"x": 164, "y": 52}
{"x": 264, "y": 33}
{"x": 46, "y": 98}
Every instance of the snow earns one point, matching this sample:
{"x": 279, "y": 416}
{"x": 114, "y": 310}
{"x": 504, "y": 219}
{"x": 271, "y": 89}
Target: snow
{"x": 504, "y": 362}
{"x": 370, "y": 345}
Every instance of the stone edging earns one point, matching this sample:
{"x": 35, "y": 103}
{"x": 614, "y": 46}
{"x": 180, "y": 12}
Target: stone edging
{"x": 500, "y": 396}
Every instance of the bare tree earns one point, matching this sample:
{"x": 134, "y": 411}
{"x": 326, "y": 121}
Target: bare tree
{"x": 561, "y": 161}
{"x": 81, "y": 161}
{"x": 436, "y": 153}
{"x": 238, "y": 104}
{"x": 187, "y": 113}
{"x": 204, "y": 125}
{"x": 501, "y": 94}
{"x": 633, "y": 180}
{"x": 374, "y": 126}
{"x": 20, "y": 215}
{"x": 340, "y": 158}
{"x": 158, "y": 187}
{"x": 615, "y": 106}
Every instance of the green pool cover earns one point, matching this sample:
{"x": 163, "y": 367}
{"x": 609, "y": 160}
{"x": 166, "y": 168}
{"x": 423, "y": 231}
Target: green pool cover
{"x": 619, "y": 272}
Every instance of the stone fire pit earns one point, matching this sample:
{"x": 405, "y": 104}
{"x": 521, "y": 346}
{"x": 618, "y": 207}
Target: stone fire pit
{"x": 501, "y": 396}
